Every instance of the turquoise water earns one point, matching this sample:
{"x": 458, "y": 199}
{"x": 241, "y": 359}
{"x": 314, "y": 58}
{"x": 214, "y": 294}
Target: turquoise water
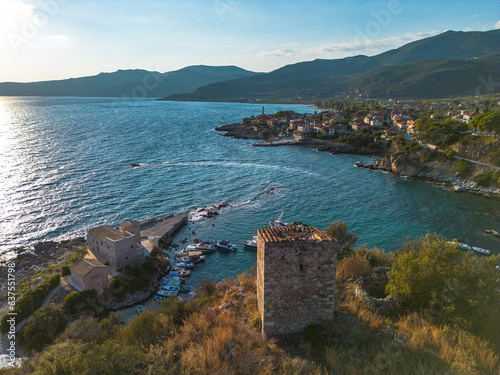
{"x": 65, "y": 167}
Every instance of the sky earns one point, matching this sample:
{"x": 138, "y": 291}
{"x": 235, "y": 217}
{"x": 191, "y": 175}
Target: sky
{"x": 56, "y": 39}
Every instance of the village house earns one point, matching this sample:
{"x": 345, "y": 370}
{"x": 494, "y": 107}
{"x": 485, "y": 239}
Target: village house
{"x": 361, "y": 125}
{"x": 389, "y": 133}
{"x": 117, "y": 246}
{"x": 89, "y": 274}
{"x": 470, "y": 116}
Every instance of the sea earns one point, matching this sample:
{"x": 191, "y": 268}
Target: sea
{"x": 65, "y": 167}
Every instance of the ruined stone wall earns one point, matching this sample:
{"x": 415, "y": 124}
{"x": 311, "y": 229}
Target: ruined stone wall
{"x": 295, "y": 284}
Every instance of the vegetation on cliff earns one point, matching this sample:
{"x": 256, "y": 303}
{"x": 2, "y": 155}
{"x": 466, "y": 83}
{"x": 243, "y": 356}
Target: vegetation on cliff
{"x": 445, "y": 320}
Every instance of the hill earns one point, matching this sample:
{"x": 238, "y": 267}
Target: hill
{"x": 326, "y": 78}
{"x": 134, "y": 83}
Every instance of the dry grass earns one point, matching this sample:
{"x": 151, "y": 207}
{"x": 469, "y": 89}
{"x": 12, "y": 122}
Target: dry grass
{"x": 355, "y": 266}
{"x": 464, "y": 352}
{"x": 362, "y": 313}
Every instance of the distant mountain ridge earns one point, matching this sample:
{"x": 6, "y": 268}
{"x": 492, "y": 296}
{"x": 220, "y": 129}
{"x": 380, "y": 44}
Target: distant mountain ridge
{"x": 130, "y": 83}
{"x": 322, "y": 78}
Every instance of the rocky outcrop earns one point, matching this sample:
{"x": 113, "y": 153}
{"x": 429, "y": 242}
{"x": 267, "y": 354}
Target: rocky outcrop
{"x": 239, "y": 131}
{"x": 410, "y": 165}
{"x": 338, "y": 148}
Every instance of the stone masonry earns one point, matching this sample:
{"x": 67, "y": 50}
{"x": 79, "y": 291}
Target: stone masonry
{"x": 295, "y": 278}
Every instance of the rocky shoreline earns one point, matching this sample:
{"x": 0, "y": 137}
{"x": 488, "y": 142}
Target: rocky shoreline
{"x": 442, "y": 172}
{"x": 239, "y": 132}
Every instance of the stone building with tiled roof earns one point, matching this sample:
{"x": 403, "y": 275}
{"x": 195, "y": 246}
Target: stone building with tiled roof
{"x": 295, "y": 278}
{"x": 89, "y": 274}
{"x": 118, "y": 246}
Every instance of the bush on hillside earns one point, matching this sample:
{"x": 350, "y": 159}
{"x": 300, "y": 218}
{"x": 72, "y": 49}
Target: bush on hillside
{"x": 24, "y": 306}
{"x": 464, "y": 168}
{"x": 42, "y": 328}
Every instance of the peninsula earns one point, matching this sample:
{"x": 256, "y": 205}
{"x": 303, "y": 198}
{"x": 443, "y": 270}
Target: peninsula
{"x": 454, "y": 142}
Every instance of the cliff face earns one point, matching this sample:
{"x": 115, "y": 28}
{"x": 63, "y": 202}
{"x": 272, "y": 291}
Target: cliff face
{"x": 411, "y": 165}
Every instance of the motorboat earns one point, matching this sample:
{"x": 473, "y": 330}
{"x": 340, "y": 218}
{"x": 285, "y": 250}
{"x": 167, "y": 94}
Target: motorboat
{"x": 191, "y": 247}
{"x": 205, "y": 246}
{"x": 171, "y": 288}
{"x": 225, "y": 245}
{"x": 481, "y": 250}
{"x": 167, "y": 293}
{"x": 181, "y": 272}
{"x": 184, "y": 265}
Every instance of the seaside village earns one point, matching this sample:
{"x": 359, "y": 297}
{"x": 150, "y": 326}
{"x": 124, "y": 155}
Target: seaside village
{"x": 394, "y": 118}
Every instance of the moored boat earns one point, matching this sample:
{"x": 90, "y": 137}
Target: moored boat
{"x": 250, "y": 244}
{"x": 139, "y": 309}
{"x": 167, "y": 293}
{"x": 184, "y": 265}
{"x": 205, "y": 246}
{"x": 225, "y": 245}
{"x": 481, "y": 250}
{"x": 278, "y": 223}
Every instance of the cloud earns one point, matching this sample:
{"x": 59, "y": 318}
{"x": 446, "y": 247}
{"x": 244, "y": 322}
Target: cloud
{"x": 356, "y": 46}
{"x": 13, "y": 13}
{"x": 279, "y": 53}
{"x": 497, "y": 25}
{"x": 370, "y": 44}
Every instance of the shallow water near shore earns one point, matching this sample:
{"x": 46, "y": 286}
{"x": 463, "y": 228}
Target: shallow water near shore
{"x": 66, "y": 167}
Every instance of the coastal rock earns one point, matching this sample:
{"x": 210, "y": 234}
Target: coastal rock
{"x": 338, "y": 148}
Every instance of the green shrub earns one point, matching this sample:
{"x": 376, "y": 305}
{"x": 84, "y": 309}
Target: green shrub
{"x": 82, "y": 303}
{"x": 65, "y": 271}
{"x": 42, "y": 328}
{"x": 484, "y": 179}
{"x": 451, "y": 154}
{"x": 464, "y": 168}
{"x": 23, "y": 306}
{"x": 496, "y": 175}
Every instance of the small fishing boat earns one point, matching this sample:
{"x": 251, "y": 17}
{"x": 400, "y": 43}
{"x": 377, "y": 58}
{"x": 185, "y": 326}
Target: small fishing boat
{"x": 481, "y": 250}
{"x": 493, "y": 232}
{"x": 463, "y": 246}
{"x": 205, "y": 246}
{"x": 359, "y": 164}
{"x": 167, "y": 293}
{"x": 170, "y": 288}
{"x": 186, "y": 295}
{"x": 225, "y": 245}
{"x": 191, "y": 247}
{"x": 184, "y": 265}
{"x": 139, "y": 309}
{"x": 135, "y": 165}
{"x": 158, "y": 298}
{"x": 181, "y": 272}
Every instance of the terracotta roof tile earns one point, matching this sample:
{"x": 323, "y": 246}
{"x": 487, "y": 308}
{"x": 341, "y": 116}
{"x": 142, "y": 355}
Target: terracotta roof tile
{"x": 84, "y": 266}
{"x": 293, "y": 234}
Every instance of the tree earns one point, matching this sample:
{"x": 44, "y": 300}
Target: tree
{"x": 345, "y": 239}
{"x": 43, "y": 328}
{"x": 435, "y": 277}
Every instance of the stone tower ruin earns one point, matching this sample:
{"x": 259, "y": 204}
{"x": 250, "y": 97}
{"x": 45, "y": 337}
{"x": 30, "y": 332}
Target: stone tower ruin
{"x": 295, "y": 278}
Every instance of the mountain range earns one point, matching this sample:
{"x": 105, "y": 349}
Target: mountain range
{"x": 129, "y": 83}
{"x": 449, "y": 64}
